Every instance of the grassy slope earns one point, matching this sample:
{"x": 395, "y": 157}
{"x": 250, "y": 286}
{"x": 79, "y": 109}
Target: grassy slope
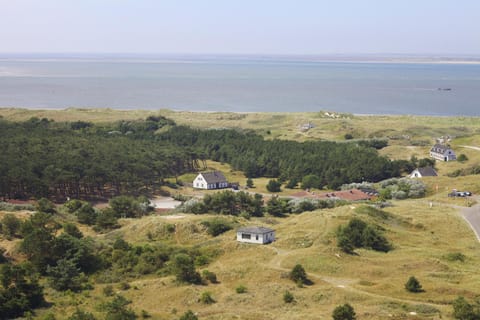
{"x": 372, "y": 282}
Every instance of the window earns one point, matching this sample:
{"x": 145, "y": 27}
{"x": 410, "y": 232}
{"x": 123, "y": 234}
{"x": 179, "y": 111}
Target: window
{"x": 256, "y": 237}
{"x": 246, "y": 236}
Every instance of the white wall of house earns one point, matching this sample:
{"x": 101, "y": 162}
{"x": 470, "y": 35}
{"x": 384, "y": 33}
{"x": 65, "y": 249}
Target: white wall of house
{"x": 416, "y": 174}
{"x": 260, "y": 238}
{"x": 200, "y": 182}
{"x": 449, "y": 155}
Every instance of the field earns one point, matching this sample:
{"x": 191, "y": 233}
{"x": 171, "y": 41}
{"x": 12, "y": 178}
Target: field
{"x": 428, "y": 234}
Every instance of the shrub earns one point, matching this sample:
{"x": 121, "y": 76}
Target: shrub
{"x": 184, "y": 269}
{"x": 81, "y": 315}
{"x": 413, "y": 285}
{"x": 189, "y": 315}
{"x": 344, "y": 312}
{"x": 117, "y": 309}
{"x": 358, "y": 234}
{"x": 274, "y": 186}
{"x": 463, "y": 310}
{"x": 241, "y": 289}
{"x": 298, "y": 275}
{"x": 108, "y": 290}
{"x": 250, "y": 183}
{"x": 206, "y": 298}
{"x": 217, "y": 226}
{"x": 10, "y": 225}
{"x": 455, "y": 256}
{"x": 45, "y": 205}
{"x": 210, "y": 276}
{"x": 462, "y": 158}
{"x": 288, "y": 297}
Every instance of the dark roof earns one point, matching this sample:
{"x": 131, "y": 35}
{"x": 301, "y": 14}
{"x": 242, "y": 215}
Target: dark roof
{"x": 440, "y": 148}
{"x": 214, "y": 177}
{"x": 260, "y": 230}
{"x": 427, "y": 172}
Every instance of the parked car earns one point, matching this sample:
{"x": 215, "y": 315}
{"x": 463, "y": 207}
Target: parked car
{"x": 459, "y": 194}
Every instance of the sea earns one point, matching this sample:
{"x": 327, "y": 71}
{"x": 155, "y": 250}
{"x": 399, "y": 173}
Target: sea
{"x": 240, "y": 84}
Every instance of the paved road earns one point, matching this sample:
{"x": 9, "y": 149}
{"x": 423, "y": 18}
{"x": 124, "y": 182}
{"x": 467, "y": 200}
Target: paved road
{"x": 472, "y": 216}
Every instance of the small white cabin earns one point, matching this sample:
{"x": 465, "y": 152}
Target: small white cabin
{"x": 210, "y": 180}
{"x": 259, "y": 235}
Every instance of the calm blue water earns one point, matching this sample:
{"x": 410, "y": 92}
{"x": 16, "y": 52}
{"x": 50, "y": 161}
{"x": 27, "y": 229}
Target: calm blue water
{"x": 241, "y": 85}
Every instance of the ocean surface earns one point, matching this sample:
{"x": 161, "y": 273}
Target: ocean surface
{"x": 240, "y": 84}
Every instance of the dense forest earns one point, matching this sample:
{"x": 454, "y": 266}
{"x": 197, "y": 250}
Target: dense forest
{"x": 42, "y": 158}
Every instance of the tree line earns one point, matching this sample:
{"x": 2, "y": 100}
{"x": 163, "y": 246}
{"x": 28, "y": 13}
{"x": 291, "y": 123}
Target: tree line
{"x": 82, "y": 160}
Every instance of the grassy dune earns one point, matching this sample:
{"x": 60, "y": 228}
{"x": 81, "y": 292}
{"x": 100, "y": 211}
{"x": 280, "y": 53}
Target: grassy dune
{"x": 424, "y": 238}
{"x": 372, "y": 282}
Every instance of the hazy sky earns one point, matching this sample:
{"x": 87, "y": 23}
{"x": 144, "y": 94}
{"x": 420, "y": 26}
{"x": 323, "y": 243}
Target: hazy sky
{"x": 241, "y": 26}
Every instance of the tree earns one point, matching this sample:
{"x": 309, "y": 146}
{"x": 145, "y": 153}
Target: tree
{"x": 184, "y": 269}
{"x": 124, "y": 206}
{"x": 45, "y": 205}
{"x": 117, "y": 309}
{"x": 298, "y": 275}
{"x": 86, "y": 214}
{"x": 65, "y": 276}
{"x": 413, "y": 285}
{"x": 189, "y": 315}
{"x": 10, "y": 225}
{"x": 344, "y": 312}
{"x": 19, "y": 290}
{"x": 273, "y": 186}
{"x": 72, "y": 230}
{"x": 311, "y": 181}
{"x": 276, "y": 207}
{"x": 249, "y": 183}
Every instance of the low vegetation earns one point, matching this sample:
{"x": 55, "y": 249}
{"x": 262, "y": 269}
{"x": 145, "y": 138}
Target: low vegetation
{"x": 359, "y": 234}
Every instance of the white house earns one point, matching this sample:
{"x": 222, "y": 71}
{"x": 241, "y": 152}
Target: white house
{"x": 442, "y": 152}
{"x": 210, "y": 180}
{"x": 423, "y": 172}
{"x": 259, "y": 235}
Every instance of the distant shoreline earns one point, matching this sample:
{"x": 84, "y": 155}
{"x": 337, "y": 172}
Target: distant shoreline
{"x": 206, "y": 58}
{"x": 96, "y": 109}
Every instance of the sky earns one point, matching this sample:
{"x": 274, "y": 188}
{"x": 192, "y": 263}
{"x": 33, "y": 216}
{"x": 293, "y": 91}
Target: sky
{"x": 449, "y": 27}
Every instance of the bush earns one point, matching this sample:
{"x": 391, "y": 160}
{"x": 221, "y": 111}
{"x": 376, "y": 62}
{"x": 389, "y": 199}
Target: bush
{"x": 413, "y": 285}
{"x": 455, "y": 256}
{"x": 249, "y": 183}
{"x": 344, "y": 312}
{"x": 463, "y": 310}
{"x": 462, "y": 158}
{"x": 274, "y": 186}
{"x": 189, "y": 315}
{"x": 184, "y": 269}
{"x": 298, "y": 275}
{"x": 10, "y": 225}
{"x": 117, "y": 309}
{"x": 81, "y": 315}
{"x": 217, "y": 226}
{"x": 241, "y": 289}
{"x": 206, "y": 298}
{"x": 210, "y": 276}
{"x": 45, "y": 205}
{"x": 288, "y": 297}
{"x": 358, "y": 234}
{"x": 108, "y": 290}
